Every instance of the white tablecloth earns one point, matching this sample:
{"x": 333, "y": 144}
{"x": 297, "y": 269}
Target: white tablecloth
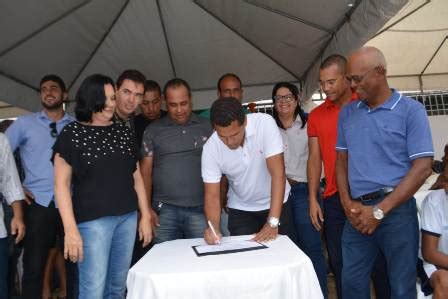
{"x": 172, "y": 270}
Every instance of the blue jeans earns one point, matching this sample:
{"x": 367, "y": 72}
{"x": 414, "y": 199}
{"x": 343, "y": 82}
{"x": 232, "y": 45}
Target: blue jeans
{"x": 179, "y": 222}
{"x": 308, "y": 238}
{"x": 3, "y": 266}
{"x": 397, "y": 238}
{"x": 107, "y": 244}
{"x": 333, "y": 226}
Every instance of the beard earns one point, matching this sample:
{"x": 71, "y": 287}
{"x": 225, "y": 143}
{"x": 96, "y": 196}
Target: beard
{"x": 53, "y": 106}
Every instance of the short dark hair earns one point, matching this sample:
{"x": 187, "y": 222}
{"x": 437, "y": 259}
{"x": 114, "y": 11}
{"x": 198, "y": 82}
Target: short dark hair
{"x": 335, "y": 59}
{"x": 229, "y": 75}
{"x": 295, "y": 92}
{"x": 226, "y": 110}
{"x": 151, "y": 85}
{"x": 4, "y": 124}
{"x": 175, "y": 83}
{"x": 132, "y": 75}
{"x": 91, "y": 97}
{"x": 54, "y": 78}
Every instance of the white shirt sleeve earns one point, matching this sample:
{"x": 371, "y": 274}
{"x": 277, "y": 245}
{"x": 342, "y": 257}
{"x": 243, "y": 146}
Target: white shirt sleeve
{"x": 10, "y": 185}
{"x": 432, "y": 220}
{"x": 210, "y": 168}
{"x": 272, "y": 138}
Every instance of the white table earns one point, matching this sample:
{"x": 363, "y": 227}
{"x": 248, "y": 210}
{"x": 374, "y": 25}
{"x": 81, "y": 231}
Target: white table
{"x": 172, "y": 270}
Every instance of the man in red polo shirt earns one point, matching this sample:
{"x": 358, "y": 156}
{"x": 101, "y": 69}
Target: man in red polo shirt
{"x": 322, "y": 134}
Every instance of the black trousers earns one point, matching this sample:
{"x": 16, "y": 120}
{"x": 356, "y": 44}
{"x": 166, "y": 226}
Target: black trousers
{"x": 248, "y": 222}
{"x": 43, "y": 229}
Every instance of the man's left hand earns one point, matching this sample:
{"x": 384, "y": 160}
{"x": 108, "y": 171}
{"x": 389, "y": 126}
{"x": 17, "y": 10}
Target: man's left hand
{"x": 267, "y": 233}
{"x": 366, "y": 224}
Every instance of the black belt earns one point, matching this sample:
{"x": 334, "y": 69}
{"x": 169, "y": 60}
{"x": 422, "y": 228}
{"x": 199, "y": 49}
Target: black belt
{"x": 293, "y": 182}
{"x": 376, "y": 194}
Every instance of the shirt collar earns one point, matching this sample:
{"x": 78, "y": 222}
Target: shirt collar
{"x": 329, "y": 103}
{"x": 389, "y": 104}
{"x": 250, "y": 127}
{"x": 297, "y": 121}
{"x": 65, "y": 118}
{"x": 193, "y": 119}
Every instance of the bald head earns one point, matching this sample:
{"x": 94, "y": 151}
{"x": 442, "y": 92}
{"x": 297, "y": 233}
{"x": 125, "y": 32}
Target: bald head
{"x": 370, "y": 56}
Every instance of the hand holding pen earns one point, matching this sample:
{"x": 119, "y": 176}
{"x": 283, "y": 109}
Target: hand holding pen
{"x": 212, "y": 236}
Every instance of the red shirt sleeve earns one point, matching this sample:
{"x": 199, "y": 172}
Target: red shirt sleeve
{"x": 311, "y": 125}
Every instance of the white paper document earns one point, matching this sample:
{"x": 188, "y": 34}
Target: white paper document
{"x": 228, "y": 246}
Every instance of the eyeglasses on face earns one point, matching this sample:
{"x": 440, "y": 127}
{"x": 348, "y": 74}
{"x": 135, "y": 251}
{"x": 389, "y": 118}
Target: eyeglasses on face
{"x": 286, "y": 98}
{"x": 358, "y": 78}
{"x": 53, "y": 131}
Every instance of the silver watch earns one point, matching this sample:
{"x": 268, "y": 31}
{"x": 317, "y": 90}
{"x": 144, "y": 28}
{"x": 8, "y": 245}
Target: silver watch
{"x": 378, "y": 213}
{"x": 273, "y": 222}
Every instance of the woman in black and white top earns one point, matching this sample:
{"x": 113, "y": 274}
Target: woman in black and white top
{"x": 98, "y": 159}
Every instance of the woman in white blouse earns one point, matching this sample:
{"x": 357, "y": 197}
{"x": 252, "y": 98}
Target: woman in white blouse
{"x": 291, "y": 120}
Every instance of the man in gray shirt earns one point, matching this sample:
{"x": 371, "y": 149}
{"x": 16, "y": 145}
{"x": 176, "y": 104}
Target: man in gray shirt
{"x": 171, "y": 166}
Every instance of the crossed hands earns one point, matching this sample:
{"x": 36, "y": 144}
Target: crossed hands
{"x": 361, "y": 217}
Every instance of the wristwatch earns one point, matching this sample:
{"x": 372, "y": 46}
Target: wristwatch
{"x": 378, "y": 214}
{"x": 273, "y": 222}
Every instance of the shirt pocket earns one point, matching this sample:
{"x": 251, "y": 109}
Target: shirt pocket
{"x": 393, "y": 134}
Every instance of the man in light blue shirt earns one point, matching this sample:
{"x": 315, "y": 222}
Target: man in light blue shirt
{"x": 384, "y": 154}
{"x": 34, "y": 135}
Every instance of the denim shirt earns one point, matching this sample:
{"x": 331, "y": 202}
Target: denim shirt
{"x": 31, "y": 134}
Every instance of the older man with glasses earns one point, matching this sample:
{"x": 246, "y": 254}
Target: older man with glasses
{"x": 34, "y": 135}
{"x": 384, "y": 153}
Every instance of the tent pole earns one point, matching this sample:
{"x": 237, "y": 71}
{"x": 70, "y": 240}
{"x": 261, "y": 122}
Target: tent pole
{"x": 286, "y": 15}
{"x": 21, "y": 82}
{"x": 434, "y": 55}
{"x": 248, "y": 41}
{"x": 170, "y": 55}
{"x": 401, "y": 19}
{"x": 36, "y": 32}
{"x": 86, "y": 63}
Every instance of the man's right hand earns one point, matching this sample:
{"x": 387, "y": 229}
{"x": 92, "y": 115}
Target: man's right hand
{"x": 29, "y": 197}
{"x": 73, "y": 246}
{"x": 352, "y": 210}
{"x": 210, "y": 237}
{"x": 316, "y": 214}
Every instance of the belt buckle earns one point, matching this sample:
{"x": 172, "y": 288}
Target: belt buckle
{"x": 387, "y": 190}
{"x": 375, "y": 194}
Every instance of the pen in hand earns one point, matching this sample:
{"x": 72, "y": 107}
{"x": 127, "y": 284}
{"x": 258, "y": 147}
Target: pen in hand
{"x": 214, "y": 232}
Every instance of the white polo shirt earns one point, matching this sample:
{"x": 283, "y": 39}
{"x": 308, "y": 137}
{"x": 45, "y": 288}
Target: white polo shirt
{"x": 434, "y": 221}
{"x": 245, "y": 167}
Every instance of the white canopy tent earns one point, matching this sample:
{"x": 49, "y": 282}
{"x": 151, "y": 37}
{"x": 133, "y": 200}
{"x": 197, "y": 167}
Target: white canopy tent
{"x": 263, "y": 41}
{"x": 415, "y": 43}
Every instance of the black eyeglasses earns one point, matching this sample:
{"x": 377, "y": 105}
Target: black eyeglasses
{"x": 358, "y": 78}
{"x": 286, "y": 99}
{"x": 53, "y": 131}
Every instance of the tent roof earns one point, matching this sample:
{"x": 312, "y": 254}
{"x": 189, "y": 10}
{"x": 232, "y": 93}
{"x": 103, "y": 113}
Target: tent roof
{"x": 263, "y": 41}
{"x": 416, "y": 47}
